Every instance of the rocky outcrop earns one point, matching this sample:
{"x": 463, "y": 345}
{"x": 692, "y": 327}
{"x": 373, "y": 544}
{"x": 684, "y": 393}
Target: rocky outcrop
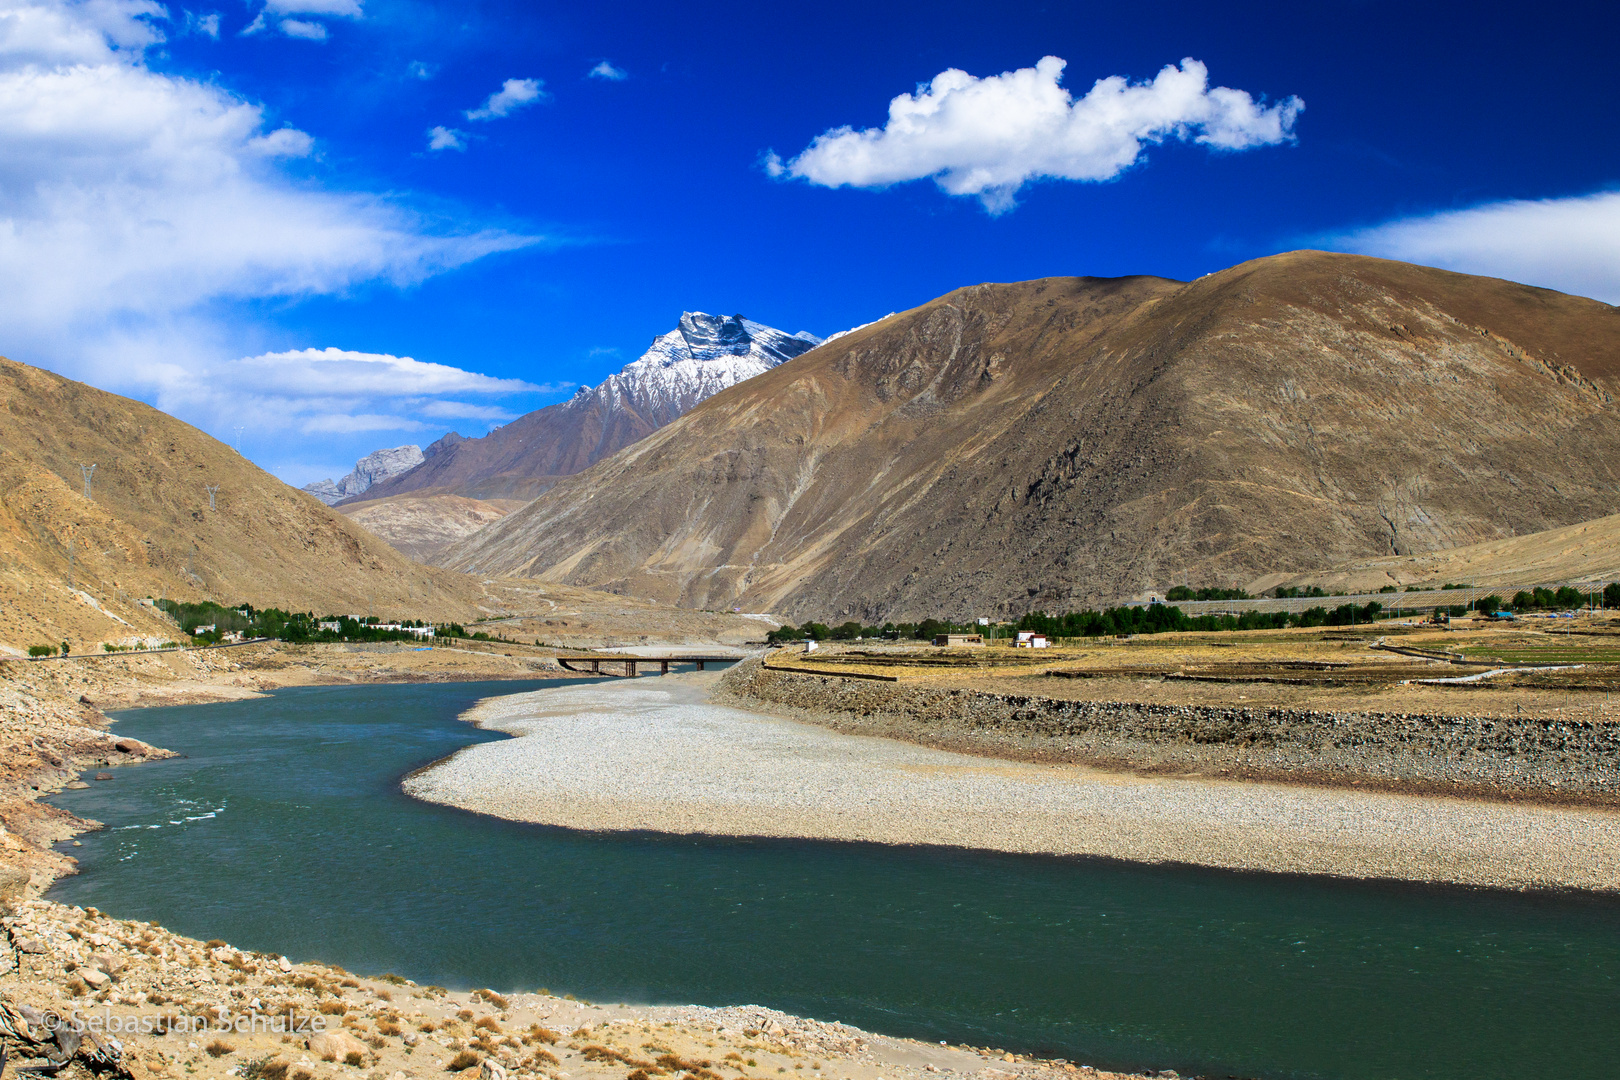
{"x": 374, "y": 468}
{"x": 1490, "y": 755}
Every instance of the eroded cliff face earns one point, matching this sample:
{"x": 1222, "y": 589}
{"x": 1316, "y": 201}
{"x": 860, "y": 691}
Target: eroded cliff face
{"x": 1073, "y": 441}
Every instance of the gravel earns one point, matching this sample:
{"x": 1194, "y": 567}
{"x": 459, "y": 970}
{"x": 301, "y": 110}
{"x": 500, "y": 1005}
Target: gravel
{"x": 628, "y": 756}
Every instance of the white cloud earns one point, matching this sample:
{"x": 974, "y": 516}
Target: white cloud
{"x": 514, "y": 94}
{"x": 1570, "y": 244}
{"x": 988, "y": 137}
{"x": 443, "y": 138}
{"x": 302, "y": 28}
{"x": 306, "y": 29}
{"x": 336, "y": 391}
{"x": 137, "y": 207}
{"x": 605, "y": 70}
{"x": 421, "y": 69}
{"x": 207, "y": 25}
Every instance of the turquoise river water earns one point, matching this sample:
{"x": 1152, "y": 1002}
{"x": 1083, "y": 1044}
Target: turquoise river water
{"x": 284, "y": 829}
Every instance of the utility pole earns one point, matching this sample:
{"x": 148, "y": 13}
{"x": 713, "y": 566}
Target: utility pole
{"x": 239, "y": 430}
{"x": 70, "y": 562}
{"x": 212, "y": 490}
{"x": 89, "y": 471}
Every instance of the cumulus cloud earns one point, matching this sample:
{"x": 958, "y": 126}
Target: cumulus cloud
{"x": 135, "y": 206}
{"x": 443, "y": 138}
{"x": 988, "y": 137}
{"x": 605, "y": 70}
{"x": 336, "y": 391}
{"x": 1570, "y": 244}
{"x": 514, "y": 94}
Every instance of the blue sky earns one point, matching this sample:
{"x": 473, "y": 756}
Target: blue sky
{"x": 189, "y": 207}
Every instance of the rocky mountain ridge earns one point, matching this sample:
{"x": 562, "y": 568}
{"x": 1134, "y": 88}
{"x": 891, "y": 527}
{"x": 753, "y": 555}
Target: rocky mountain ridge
{"x": 375, "y": 467}
{"x": 1071, "y": 441}
{"x": 702, "y": 356}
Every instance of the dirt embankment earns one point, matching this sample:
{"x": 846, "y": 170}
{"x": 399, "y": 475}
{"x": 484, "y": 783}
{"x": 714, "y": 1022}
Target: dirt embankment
{"x": 1534, "y": 757}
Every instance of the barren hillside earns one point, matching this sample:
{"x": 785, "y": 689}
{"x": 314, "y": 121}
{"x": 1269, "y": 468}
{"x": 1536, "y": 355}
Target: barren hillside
{"x": 1074, "y": 440}
{"x": 76, "y": 568}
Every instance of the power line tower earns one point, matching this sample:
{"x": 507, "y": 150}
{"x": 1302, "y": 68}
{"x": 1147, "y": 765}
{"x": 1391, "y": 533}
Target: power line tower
{"x": 89, "y": 471}
{"x": 239, "y": 429}
{"x": 213, "y": 489}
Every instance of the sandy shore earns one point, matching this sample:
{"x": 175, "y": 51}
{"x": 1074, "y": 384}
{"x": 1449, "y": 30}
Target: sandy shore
{"x": 660, "y": 757}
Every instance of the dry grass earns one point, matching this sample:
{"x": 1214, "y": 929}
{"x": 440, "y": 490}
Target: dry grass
{"x": 219, "y": 1048}
{"x": 467, "y": 1059}
{"x": 355, "y": 1058}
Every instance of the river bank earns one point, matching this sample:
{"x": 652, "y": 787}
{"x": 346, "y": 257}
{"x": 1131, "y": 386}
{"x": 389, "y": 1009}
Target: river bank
{"x": 665, "y": 758}
{"x": 1185, "y": 729}
{"x": 169, "y": 995}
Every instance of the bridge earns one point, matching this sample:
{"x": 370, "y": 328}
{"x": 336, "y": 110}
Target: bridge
{"x": 629, "y": 665}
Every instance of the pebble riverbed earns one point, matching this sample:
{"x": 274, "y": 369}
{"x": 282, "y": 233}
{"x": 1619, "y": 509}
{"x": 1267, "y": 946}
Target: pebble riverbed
{"x": 629, "y": 756}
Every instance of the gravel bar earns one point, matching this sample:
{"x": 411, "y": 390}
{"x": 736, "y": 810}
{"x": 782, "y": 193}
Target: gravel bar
{"x": 657, "y": 755}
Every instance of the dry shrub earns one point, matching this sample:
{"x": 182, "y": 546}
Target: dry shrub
{"x": 155, "y": 998}
{"x": 427, "y": 1027}
{"x": 543, "y": 1055}
{"x": 350, "y": 983}
{"x": 487, "y": 1023}
{"x": 493, "y": 998}
{"x": 734, "y": 1056}
{"x": 219, "y": 1048}
{"x": 638, "y": 1074}
{"x": 76, "y": 987}
{"x": 302, "y": 1074}
{"x": 465, "y": 1014}
{"x": 388, "y": 1027}
{"x": 355, "y": 1058}
{"x": 464, "y": 1060}
{"x": 390, "y": 977}
{"x": 384, "y": 995}
{"x": 543, "y": 1034}
{"x": 329, "y": 1056}
{"x": 376, "y": 1042}
{"x": 214, "y": 944}
{"x": 334, "y": 1008}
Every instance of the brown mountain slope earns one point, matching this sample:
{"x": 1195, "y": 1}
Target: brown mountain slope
{"x": 1075, "y": 440}
{"x": 422, "y": 526}
{"x": 1585, "y": 552}
{"x": 148, "y": 529}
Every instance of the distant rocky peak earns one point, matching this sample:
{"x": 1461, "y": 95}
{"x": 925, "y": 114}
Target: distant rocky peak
{"x": 713, "y": 335}
{"x": 374, "y": 468}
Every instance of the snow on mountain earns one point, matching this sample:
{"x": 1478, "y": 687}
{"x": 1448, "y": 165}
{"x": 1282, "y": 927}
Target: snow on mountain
{"x": 702, "y": 356}
{"x": 374, "y": 468}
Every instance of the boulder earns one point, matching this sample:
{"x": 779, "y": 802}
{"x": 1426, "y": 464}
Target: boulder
{"x": 111, "y": 963}
{"x": 489, "y": 1070}
{"x": 336, "y": 1045}
{"x": 13, "y": 885}
{"x": 94, "y": 978}
{"x": 283, "y": 963}
{"x": 133, "y": 746}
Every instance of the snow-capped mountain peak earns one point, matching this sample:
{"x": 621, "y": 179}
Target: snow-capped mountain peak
{"x": 703, "y": 355}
